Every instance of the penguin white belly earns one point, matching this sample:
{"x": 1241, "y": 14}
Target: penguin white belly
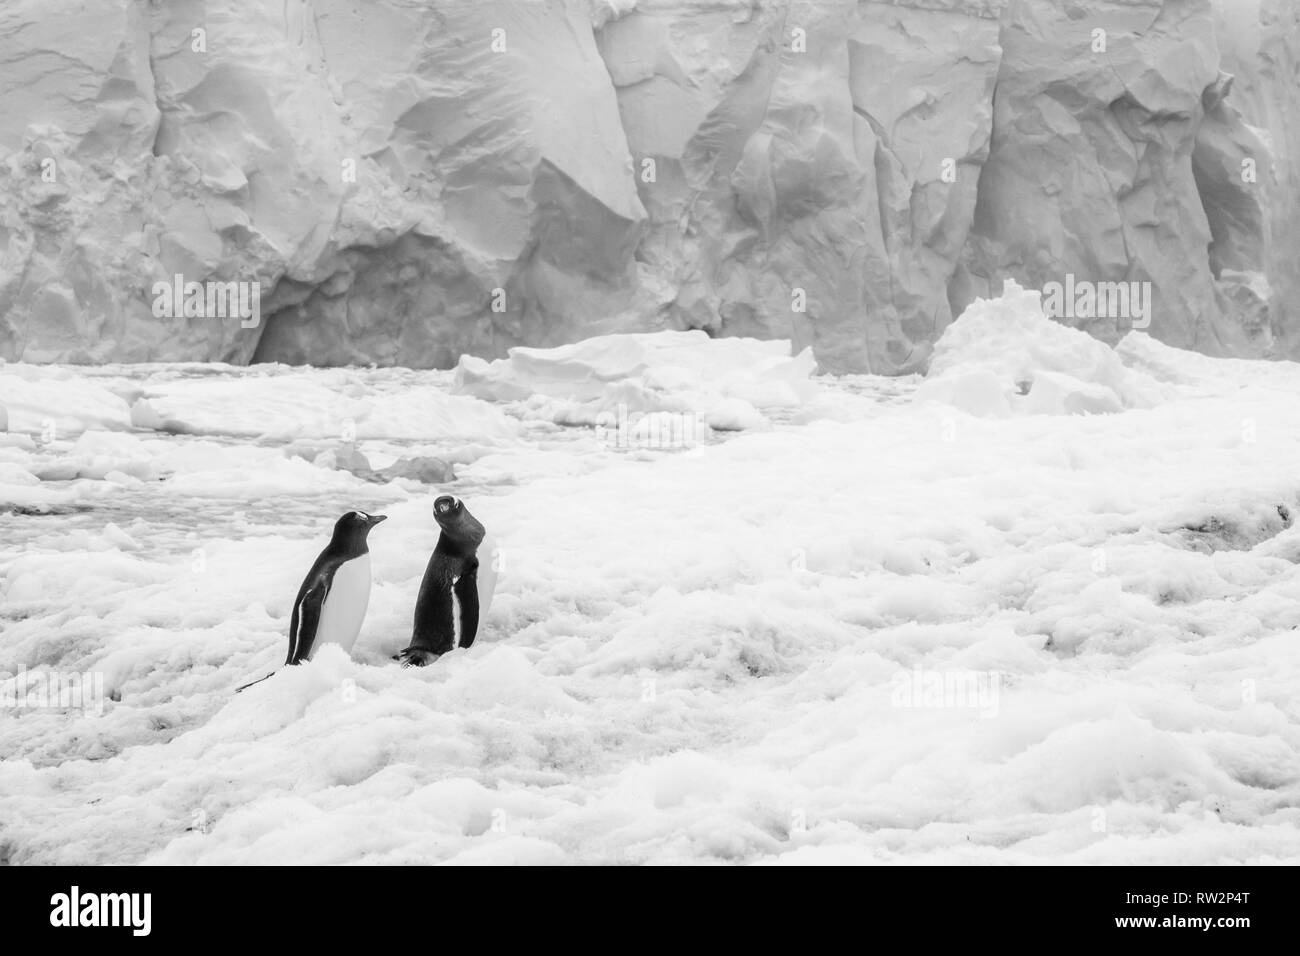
{"x": 487, "y": 577}
{"x": 345, "y": 605}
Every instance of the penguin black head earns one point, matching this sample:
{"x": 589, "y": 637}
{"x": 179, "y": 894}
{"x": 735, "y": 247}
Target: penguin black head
{"x": 457, "y": 523}
{"x": 350, "y": 531}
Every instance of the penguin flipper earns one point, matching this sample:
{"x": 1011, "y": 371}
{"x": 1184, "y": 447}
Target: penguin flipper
{"x": 306, "y": 615}
{"x": 306, "y": 619}
{"x": 466, "y": 588}
{"x": 433, "y": 632}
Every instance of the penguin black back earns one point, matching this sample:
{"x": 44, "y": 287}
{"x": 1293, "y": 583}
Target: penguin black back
{"x": 450, "y": 580}
{"x": 341, "y": 571}
{"x": 347, "y": 544}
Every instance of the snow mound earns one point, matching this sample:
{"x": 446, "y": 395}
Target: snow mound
{"x": 727, "y": 383}
{"x": 1005, "y": 357}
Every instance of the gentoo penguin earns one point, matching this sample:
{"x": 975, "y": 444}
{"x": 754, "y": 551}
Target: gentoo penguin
{"x": 331, "y": 604}
{"x": 457, "y": 589}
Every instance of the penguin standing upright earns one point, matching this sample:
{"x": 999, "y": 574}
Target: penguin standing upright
{"x": 457, "y": 589}
{"x": 331, "y": 604}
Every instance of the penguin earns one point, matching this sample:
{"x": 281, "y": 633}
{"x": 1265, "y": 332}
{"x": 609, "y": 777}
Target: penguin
{"x": 331, "y": 604}
{"x": 457, "y": 589}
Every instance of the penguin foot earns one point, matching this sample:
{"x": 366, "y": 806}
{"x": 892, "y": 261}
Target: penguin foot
{"x": 416, "y": 657}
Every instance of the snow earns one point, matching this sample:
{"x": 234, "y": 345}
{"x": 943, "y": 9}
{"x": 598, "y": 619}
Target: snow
{"x": 57, "y": 401}
{"x": 877, "y": 629}
{"x": 727, "y": 383}
{"x": 276, "y": 402}
{"x": 1004, "y": 356}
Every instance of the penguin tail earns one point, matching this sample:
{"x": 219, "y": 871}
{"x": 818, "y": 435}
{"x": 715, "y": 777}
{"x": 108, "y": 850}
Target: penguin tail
{"x": 251, "y": 683}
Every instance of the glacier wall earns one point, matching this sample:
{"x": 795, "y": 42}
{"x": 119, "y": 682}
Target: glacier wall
{"x": 409, "y": 180}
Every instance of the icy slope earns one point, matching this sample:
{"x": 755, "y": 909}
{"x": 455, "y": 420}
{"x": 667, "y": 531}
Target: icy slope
{"x": 892, "y": 632}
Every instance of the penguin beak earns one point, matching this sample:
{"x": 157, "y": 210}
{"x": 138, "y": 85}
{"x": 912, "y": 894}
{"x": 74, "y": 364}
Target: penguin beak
{"x": 375, "y": 519}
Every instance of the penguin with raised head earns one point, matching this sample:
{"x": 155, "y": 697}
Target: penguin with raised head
{"x": 331, "y": 604}
{"x": 457, "y": 589}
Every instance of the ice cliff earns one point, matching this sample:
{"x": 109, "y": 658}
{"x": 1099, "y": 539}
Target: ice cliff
{"x": 410, "y": 180}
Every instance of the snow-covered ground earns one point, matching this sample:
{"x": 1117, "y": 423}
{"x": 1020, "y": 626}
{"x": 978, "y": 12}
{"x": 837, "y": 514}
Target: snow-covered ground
{"x": 863, "y": 620}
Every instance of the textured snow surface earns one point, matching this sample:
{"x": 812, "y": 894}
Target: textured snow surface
{"x": 748, "y": 650}
{"x": 1004, "y": 357}
{"x": 729, "y": 380}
